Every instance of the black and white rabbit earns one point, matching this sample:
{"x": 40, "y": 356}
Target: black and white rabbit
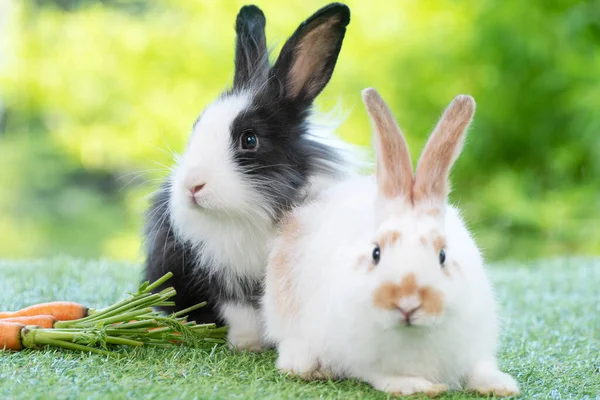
{"x": 253, "y": 154}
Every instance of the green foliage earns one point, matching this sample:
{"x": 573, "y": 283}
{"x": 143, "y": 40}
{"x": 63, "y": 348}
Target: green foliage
{"x": 550, "y": 342}
{"x": 96, "y": 95}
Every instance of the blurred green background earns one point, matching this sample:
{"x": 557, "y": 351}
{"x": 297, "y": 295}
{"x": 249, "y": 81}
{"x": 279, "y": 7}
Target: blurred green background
{"x": 95, "y": 94}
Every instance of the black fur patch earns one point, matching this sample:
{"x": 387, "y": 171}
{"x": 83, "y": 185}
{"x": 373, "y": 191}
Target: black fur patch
{"x": 251, "y": 54}
{"x": 285, "y": 157}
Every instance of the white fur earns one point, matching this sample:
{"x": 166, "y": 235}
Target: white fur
{"x": 333, "y": 310}
{"x": 335, "y": 328}
{"x": 226, "y": 223}
{"x": 246, "y": 333}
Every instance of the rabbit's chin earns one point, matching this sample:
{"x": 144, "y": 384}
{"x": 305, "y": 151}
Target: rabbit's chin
{"x": 417, "y": 325}
{"x": 211, "y": 228}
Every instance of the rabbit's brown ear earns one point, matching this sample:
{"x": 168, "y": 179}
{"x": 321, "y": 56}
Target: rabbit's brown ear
{"x": 308, "y": 57}
{"x": 394, "y": 168}
{"x": 442, "y": 149}
{"x": 251, "y": 54}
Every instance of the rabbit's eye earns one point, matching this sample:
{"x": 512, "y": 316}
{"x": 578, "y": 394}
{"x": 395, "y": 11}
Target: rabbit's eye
{"x": 442, "y": 257}
{"x": 376, "y": 255}
{"x": 249, "y": 141}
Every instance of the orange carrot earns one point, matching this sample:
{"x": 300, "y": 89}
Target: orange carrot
{"x": 43, "y": 321}
{"x": 61, "y": 310}
{"x": 10, "y": 335}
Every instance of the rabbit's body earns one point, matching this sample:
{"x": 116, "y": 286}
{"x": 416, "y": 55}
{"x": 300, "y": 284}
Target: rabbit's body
{"x": 354, "y": 287}
{"x": 253, "y": 154}
{"x": 321, "y": 282}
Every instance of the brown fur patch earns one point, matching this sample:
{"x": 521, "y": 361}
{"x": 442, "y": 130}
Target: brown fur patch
{"x": 431, "y": 301}
{"x": 408, "y": 286}
{"x": 389, "y": 238}
{"x": 434, "y": 212}
{"x": 393, "y": 170}
{"x": 388, "y": 295}
{"x": 439, "y": 243}
{"x": 290, "y": 228}
{"x": 280, "y": 265}
{"x": 285, "y": 296}
{"x": 442, "y": 149}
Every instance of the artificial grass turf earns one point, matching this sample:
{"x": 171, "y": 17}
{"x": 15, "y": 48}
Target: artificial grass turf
{"x": 551, "y": 341}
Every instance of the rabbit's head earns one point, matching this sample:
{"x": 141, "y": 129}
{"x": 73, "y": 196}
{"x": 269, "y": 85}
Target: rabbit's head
{"x": 250, "y": 155}
{"x": 414, "y": 256}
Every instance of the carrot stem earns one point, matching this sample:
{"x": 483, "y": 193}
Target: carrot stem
{"x": 145, "y": 301}
{"x": 156, "y": 331}
{"x": 123, "y": 341}
{"x": 124, "y": 317}
{"x": 188, "y": 310}
{"x": 165, "y": 304}
{"x": 33, "y": 336}
{"x": 127, "y": 304}
{"x": 160, "y": 345}
{"x": 130, "y": 305}
{"x": 212, "y": 327}
{"x": 126, "y": 332}
{"x": 75, "y": 347}
{"x": 158, "y": 282}
{"x": 110, "y": 310}
{"x": 138, "y": 314}
{"x": 137, "y": 324}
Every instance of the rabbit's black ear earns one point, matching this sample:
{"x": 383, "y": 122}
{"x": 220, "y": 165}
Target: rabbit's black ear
{"x": 251, "y": 55}
{"x": 307, "y": 59}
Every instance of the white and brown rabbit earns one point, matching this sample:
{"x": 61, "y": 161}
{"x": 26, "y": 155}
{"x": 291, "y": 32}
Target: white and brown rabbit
{"x": 380, "y": 280}
{"x": 253, "y": 154}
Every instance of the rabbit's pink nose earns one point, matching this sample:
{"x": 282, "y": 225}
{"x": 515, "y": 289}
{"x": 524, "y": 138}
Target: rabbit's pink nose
{"x": 196, "y": 189}
{"x": 407, "y": 314}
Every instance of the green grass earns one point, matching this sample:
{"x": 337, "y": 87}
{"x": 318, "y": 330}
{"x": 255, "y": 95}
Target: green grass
{"x": 551, "y": 342}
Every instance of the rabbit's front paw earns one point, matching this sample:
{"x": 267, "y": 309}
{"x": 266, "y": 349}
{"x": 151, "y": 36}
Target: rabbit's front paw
{"x": 407, "y": 385}
{"x": 487, "y": 380}
{"x": 296, "y": 358}
{"x": 240, "y": 341}
{"x": 244, "y": 327}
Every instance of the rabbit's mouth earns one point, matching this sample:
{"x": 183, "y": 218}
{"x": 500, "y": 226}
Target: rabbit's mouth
{"x": 412, "y": 324}
{"x": 195, "y": 202}
{"x": 409, "y": 315}
{"x": 408, "y": 323}
{"x": 201, "y": 203}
